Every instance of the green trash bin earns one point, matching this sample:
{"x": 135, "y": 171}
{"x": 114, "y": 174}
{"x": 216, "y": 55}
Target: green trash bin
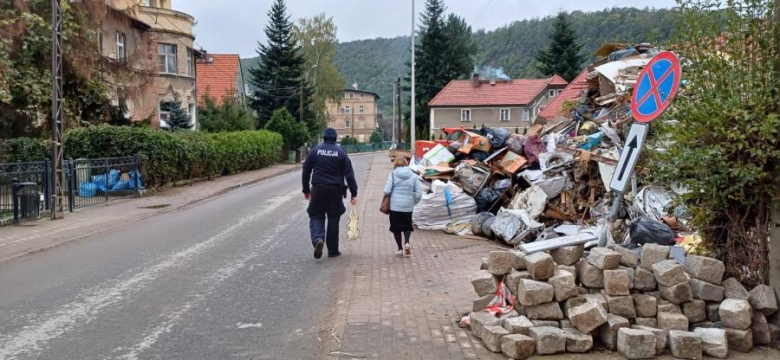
{"x": 291, "y": 156}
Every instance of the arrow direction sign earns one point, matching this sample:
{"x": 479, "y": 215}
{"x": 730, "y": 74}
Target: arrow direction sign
{"x": 629, "y": 157}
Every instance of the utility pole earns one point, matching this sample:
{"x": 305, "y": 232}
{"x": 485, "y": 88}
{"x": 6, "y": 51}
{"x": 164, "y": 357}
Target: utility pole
{"x": 56, "y": 122}
{"x": 398, "y": 129}
{"x": 394, "y": 99}
{"x": 412, "y": 136}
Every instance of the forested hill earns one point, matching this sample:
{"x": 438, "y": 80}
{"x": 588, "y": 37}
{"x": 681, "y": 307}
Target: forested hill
{"x": 513, "y": 47}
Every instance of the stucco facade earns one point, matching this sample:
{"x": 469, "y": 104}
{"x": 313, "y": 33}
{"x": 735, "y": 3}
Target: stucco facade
{"x": 171, "y": 59}
{"x": 513, "y": 105}
{"x": 355, "y": 115}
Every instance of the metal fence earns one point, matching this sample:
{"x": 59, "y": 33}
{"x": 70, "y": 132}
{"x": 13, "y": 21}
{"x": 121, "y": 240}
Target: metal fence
{"x": 97, "y": 181}
{"x": 358, "y": 148}
{"x": 25, "y": 187}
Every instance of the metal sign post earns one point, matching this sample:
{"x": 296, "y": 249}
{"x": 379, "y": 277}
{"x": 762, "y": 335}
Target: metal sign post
{"x": 655, "y": 89}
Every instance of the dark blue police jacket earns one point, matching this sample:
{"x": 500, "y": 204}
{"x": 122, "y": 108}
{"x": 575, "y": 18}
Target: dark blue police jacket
{"x": 331, "y": 166}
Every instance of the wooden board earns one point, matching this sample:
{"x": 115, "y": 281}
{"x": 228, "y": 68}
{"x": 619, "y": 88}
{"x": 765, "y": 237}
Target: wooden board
{"x": 556, "y": 243}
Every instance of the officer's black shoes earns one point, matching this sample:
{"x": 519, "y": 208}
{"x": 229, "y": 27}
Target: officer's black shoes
{"x": 335, "y": 254}
{"x": 318, "y": 248}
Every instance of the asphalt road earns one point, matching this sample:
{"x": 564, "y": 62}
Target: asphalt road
{"x": 231, "y": 278}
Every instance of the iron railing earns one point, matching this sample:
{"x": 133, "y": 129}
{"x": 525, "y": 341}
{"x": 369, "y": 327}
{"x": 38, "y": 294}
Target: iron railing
{"x": 98, "y": 181}
{"x": 34, "y": 176}
{"x": 85, "y": 182}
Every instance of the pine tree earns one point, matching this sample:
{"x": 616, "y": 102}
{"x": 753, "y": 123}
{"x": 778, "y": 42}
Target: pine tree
{"x": 562, "y": 57}
{"x": 444, "y": 53}
{"x": 279, "y": 77}
{"x": 178, "y": 119}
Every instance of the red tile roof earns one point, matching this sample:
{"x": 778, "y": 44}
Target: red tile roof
{"x": 218, "y": 78}
{"x": 514, "y": 92}
{"x": 572, "y": 91}
{"x": 557, "y": 80}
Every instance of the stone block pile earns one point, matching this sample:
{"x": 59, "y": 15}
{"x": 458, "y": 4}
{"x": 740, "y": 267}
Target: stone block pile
{"x": 640, "y": 303}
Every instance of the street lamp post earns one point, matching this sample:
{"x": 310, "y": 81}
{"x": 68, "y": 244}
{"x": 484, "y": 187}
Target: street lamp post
{"x": 414, "y": 125}
{"x": 305, "y": 80}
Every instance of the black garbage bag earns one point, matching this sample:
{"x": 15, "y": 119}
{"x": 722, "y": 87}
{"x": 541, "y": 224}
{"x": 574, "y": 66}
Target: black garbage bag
{"x": 477, "y": 221}
{"x": 486, "y": 230}
{"x": 645, "y": 230}
{"x": 479, "y": 155}
{"x": 486, "y": 198}
{"x": 497, "y": 137}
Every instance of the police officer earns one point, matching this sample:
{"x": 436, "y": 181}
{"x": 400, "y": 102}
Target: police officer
{"x": 331, "y": 166}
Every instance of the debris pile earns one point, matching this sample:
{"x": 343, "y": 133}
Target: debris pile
{"x": 553, "y": 181}
{"x": 638, "y": 304}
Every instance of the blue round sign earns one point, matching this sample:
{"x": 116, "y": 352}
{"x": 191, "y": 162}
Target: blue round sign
{"x": 656, "y": 87}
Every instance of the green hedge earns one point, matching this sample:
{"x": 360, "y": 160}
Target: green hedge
{"x": 23, "y": 150}
{"x": 166, "y": 156}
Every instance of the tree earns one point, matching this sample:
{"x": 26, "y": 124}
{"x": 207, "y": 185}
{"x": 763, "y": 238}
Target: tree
{"x": 25, "y": 66}
{"x": 293, "y": 132}
{"x": 376, "y": 137}
{"x": 725, "y": 145}
{"x": 318, "y": 41}
{"x": 178, "y": 119}
{"x": 278, "y": 78}
{"x": 348, "y": 140}
{"x": 562, "y": 56}
{"x": 444, "y": 53}
{"x": 226, "y": 116}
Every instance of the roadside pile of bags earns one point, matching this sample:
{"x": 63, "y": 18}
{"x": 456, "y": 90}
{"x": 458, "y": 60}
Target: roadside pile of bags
{"x": 115, "y": 180}
{"x": 553, "y": 181}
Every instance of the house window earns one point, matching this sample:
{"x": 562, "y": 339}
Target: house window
{"x": 361, "y": 109}
{"x": 167, "y": 57}
{"x": 190, "y": 64}
{"x": 121, "y": 55}
{"x": 361, "y": 95}
{"x": 465, "y": 115}
{"x": 347, "y": 124}
{"x": 164, "y": 115}
{"x": 344, "y": 95}
{"x": 560, "y": 91}
{"x": 351, "y": 95}
{"x": 347, "y": 110}
{"x": 191, "y": 112}
{"x": 504, "y": 114}
{"x": 551, "y": 93}
{"x": 526, "y": 114}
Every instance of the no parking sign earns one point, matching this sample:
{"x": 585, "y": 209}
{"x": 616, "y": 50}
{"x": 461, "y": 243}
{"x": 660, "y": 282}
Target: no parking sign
{"x": 656, "y": 86}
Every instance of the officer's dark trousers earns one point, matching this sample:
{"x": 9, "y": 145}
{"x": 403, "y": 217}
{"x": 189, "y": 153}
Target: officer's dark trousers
{"x": 326, "y": 203}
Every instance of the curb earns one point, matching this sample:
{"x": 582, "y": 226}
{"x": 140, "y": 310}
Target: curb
{"x": 144, "y": 217}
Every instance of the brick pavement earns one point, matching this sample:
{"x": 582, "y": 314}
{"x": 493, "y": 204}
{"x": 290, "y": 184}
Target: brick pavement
{"x": 391, "y": 308}
{"x": 16, "y": 241}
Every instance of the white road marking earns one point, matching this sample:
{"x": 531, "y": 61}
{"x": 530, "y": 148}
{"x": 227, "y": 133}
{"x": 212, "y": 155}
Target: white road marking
{"x": 249, "y": 325}
{"x": 211, "y": 283}
{"x": 33, "y": 338}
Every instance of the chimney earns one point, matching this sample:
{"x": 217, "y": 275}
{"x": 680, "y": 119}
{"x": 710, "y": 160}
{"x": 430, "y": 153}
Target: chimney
{"x": 355, "y": 85}
{"x": 475, "y": 79}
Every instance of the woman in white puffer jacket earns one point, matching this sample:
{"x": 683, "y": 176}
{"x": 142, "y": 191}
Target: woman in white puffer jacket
{"x": 405, "y": 191}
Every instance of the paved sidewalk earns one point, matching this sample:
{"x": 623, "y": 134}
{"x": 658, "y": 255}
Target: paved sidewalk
{"x": 408, "y": 308}
{"x": 391, "y": 308}
{"x": 17, "y": 241}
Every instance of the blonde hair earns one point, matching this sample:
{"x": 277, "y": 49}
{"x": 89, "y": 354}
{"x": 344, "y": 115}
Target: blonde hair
{"x": 400, "y": 161}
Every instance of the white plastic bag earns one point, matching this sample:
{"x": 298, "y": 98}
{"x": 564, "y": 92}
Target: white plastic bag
{"x": 353, "y": 231}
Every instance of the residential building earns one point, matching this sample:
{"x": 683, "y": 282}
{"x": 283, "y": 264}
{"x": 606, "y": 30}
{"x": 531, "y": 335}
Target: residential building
{"x": 171, "y": 57}
{"x": 354, "y": 115}
{"x": 554, "y": 112}
{"x": 219, "y": 76}
{"x": 511, "y": 104}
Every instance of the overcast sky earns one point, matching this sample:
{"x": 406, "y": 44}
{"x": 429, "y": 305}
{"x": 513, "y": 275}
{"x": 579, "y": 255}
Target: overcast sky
{"x": 235, "y": 26}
